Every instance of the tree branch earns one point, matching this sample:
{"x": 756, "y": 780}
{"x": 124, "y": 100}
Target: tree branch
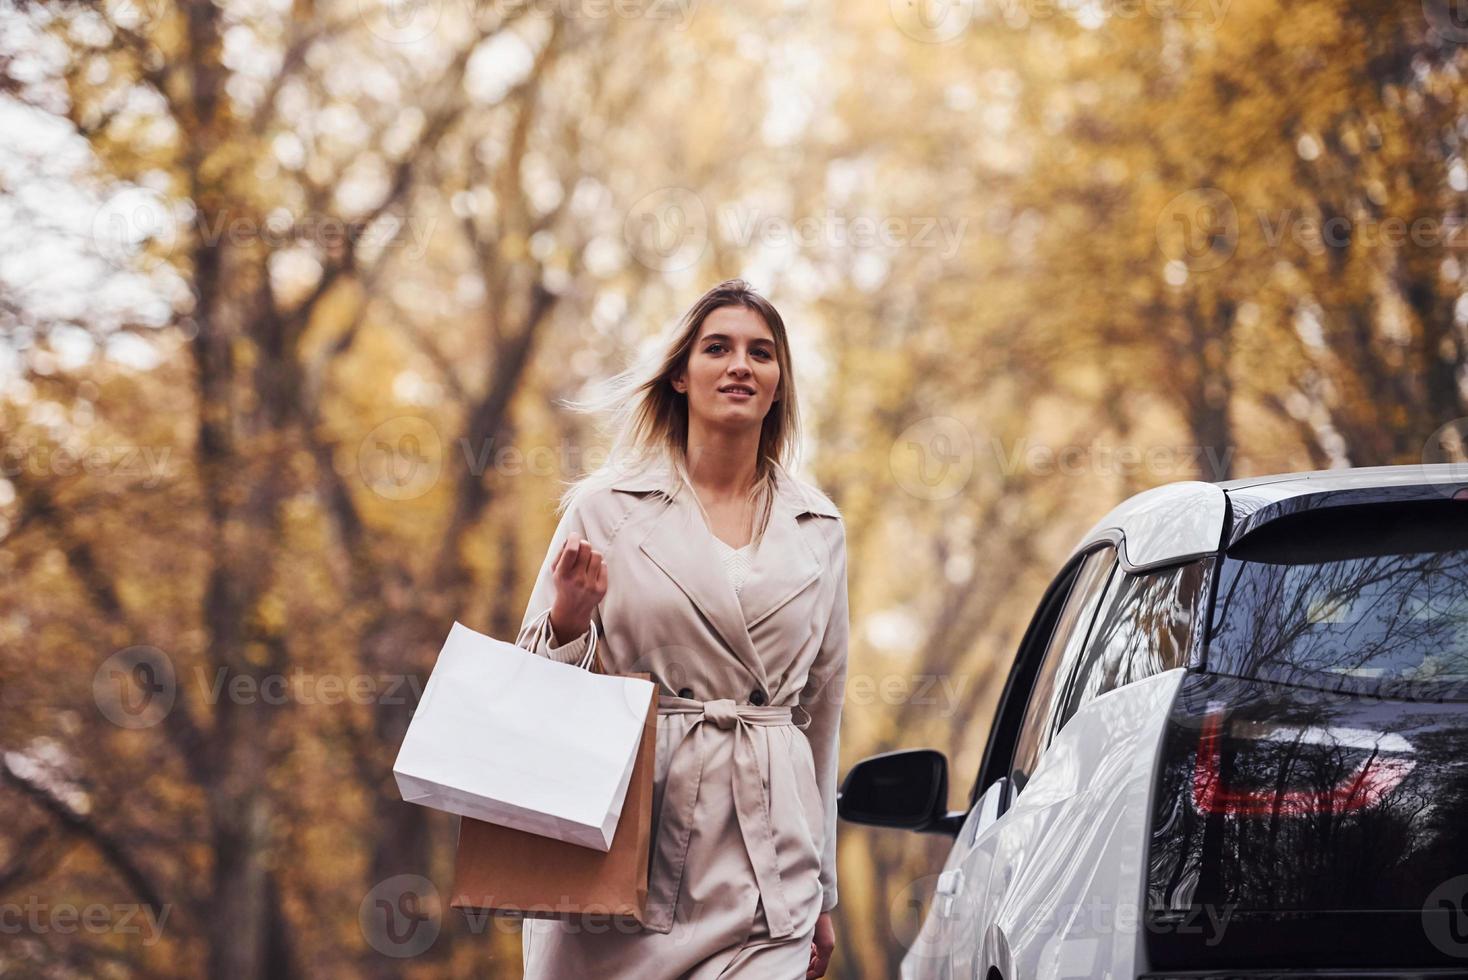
{"x": 81, "y": 825}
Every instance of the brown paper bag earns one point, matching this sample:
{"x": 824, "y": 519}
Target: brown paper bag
{"x": 513, "y": 873}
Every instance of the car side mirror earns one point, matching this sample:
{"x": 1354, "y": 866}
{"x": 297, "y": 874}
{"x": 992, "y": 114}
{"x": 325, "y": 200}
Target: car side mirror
{"x": 907, "y": 789}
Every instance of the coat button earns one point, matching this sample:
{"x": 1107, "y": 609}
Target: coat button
{"x": 756, "y": 697}
{"x": 685, "y": 692}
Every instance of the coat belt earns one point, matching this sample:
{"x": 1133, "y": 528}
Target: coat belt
{"x": 751, "y": 805}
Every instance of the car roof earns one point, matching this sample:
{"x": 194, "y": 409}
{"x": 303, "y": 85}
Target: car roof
{"x": 1353, "y": 478}
{"x": 1187, "y": 520}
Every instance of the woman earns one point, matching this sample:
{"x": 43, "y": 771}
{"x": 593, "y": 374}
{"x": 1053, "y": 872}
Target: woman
{"x": 700, "y": 559}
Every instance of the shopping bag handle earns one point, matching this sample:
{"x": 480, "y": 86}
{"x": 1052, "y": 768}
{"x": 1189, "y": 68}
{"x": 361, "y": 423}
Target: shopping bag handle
{"x": 542, "y": 625}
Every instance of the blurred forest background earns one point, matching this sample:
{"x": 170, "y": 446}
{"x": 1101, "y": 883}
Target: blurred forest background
{"x": 289, "y": 289}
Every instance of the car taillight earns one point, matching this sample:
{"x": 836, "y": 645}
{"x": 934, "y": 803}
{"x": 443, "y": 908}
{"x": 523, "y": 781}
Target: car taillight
{"x": 1383, "y": 768}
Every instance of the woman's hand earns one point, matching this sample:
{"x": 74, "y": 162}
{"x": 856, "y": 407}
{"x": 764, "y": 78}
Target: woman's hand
{"x": 821, "y": 947}
{"x": 580, "y": 578}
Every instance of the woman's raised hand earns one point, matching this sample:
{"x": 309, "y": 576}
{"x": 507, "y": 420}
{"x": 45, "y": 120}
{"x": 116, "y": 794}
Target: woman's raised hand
{"x": 580, "y": 578}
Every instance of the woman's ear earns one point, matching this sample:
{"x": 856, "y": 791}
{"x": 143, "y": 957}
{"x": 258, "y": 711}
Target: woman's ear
{"x": 679, "y": 383}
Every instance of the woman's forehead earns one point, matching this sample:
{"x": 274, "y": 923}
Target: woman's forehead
{"x": 736, "y": 321}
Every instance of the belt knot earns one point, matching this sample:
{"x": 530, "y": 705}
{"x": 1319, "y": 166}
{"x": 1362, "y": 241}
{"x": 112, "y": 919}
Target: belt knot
{"x": 722, "y": 712}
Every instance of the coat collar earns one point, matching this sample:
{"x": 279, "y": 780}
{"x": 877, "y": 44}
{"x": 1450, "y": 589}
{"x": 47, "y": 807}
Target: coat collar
{"x": 785, "y": 562}
{"x": 658, "y": 475}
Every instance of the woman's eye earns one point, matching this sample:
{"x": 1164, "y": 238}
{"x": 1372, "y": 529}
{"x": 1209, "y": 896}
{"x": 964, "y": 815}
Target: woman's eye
{"x": 716, "y": 347}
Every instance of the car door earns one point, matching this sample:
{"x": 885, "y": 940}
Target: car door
{"x": 1066, "y": 877}
{"x": 965, "y": 898}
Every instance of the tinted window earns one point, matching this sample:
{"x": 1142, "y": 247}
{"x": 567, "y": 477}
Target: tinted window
{"x": 1065, "y": 640}
{"x": 1362, "y": 598}
{"x": 1144, "y": 628}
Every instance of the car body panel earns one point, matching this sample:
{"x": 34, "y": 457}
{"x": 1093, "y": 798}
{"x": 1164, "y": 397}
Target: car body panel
{"x": 1351, "y": 478}
{"x": 1183, "y": 520}
{"x": 1047, "y": 884}
{"x": 949, "y": 940}
{"x": 1164, "y": 525}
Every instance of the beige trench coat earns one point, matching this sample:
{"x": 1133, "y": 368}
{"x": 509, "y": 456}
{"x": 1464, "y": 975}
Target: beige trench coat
{"x": 750, "y": 690}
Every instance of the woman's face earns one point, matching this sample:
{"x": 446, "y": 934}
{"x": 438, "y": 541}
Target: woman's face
{"x": 734, "y": 352}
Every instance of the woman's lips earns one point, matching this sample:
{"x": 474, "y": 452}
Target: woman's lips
{"x": 738, "y": 395}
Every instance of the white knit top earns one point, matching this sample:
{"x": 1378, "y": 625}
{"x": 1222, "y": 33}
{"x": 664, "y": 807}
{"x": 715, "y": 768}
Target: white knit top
{"x": 736, "y": 561}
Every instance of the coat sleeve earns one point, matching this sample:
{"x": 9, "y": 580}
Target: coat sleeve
{"x": 823, "y": 696}
{"x": 538, "y": 638}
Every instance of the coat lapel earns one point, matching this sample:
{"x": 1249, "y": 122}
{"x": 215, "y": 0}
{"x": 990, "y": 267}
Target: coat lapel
{"x": 680, "y": 543}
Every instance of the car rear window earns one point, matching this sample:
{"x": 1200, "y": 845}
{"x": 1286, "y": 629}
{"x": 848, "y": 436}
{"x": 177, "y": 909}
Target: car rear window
{"x": 1363, "y": 598}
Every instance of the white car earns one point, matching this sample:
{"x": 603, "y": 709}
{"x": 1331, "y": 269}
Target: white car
{"x": 1234, "y": 743}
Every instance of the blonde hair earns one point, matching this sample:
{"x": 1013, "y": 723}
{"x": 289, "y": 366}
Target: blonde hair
{"x": 649, "y": 418}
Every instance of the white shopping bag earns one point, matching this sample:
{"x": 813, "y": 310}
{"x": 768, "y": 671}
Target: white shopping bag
{"x": 516, "y": 739}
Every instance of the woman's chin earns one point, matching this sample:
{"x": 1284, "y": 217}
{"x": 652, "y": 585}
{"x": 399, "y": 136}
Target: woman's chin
{"x": 734, "y": 417}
